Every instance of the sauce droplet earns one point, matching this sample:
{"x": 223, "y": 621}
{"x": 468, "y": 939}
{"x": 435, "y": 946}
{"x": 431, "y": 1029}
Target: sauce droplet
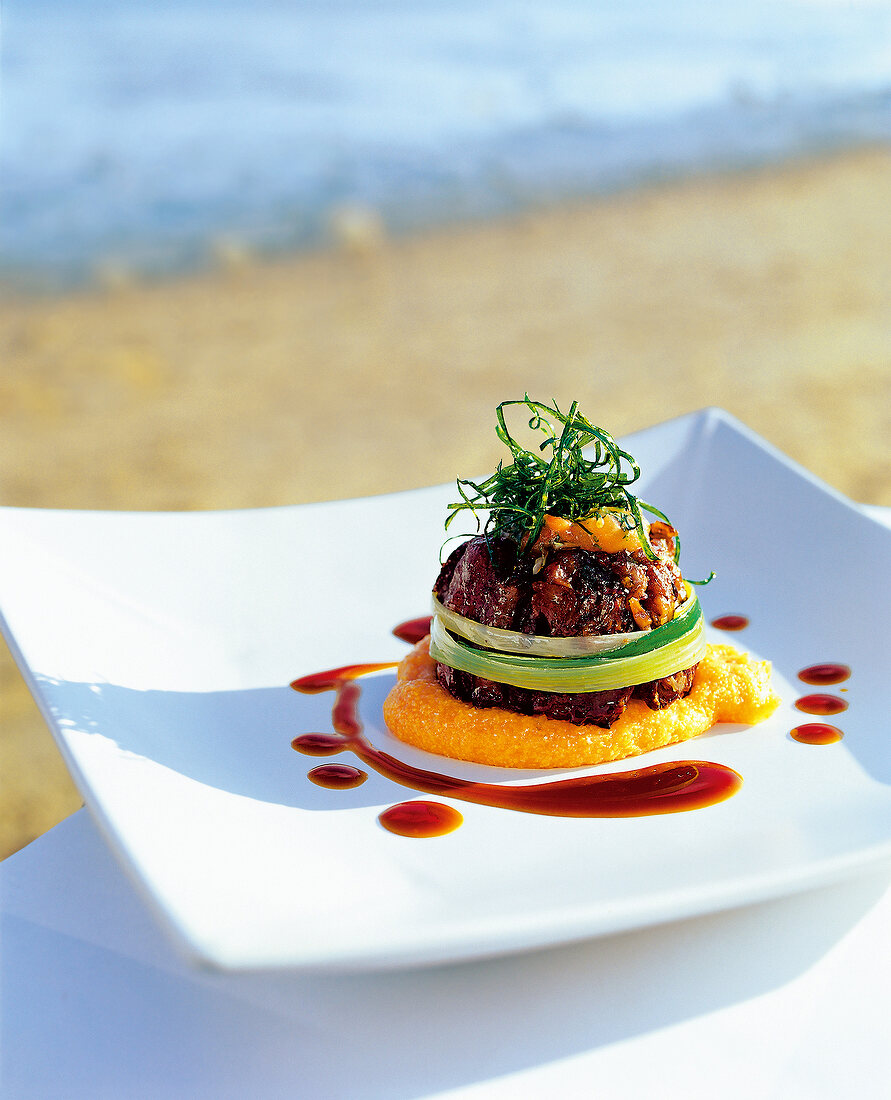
{"x": 413, "y": 630}
{"x": 318, "y": 744}
{"x": 730, "y": 622}
{"x": 821, "y": 704}
{"x": 338, "y": 777}
{"x": 817, "y": 733}
{"x": 824, "y": 675}
{"x": 420, "y": 819}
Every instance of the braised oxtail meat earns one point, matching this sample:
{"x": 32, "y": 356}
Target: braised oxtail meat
{"x": 592, "y": 708}
{"x": 563, "y": 592}
{"x": 481, "y": 583}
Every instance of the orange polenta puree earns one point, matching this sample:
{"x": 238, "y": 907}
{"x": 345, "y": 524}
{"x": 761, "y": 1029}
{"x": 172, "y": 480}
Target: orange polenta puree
{"x": 729, "y": 687}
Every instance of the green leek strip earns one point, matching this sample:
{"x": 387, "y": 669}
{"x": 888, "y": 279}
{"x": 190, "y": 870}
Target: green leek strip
{"x": 536, "y": 645}
{"x": 569, "y": 674}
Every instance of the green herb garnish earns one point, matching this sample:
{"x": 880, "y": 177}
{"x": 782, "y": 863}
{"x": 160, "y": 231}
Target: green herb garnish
{"x": 560, "y": 480}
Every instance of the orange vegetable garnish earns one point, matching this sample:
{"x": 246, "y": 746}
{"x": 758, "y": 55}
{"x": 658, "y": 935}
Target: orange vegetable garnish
{"x": 603, "y": 532}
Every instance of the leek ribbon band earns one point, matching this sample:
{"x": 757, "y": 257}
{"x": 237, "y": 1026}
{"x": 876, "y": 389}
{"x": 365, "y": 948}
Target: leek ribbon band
{"x": 607, "y": 671}
{"x": 538, "y": 645}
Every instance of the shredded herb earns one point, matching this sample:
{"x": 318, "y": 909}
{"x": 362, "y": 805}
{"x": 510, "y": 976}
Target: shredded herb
{"x": 559, "y": 480}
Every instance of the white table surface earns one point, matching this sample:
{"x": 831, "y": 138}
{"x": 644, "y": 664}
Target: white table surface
{"x": 788, "y": 999}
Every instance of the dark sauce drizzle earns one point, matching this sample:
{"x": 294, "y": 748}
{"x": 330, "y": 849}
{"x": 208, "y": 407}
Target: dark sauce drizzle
{"x": 325, "y": 681}
{"x": 658, "y": 789}
{"x": 824, "y": 675}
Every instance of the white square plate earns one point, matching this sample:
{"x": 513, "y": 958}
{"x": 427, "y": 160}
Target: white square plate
{"x": 160, "y": 648}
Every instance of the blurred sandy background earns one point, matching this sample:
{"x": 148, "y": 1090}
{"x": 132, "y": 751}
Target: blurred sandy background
{"x": 375, "y": 365}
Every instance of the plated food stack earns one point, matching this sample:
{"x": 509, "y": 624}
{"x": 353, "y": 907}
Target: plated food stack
{"x": 563, "y": 632}
{"x": 570, "y": 602}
